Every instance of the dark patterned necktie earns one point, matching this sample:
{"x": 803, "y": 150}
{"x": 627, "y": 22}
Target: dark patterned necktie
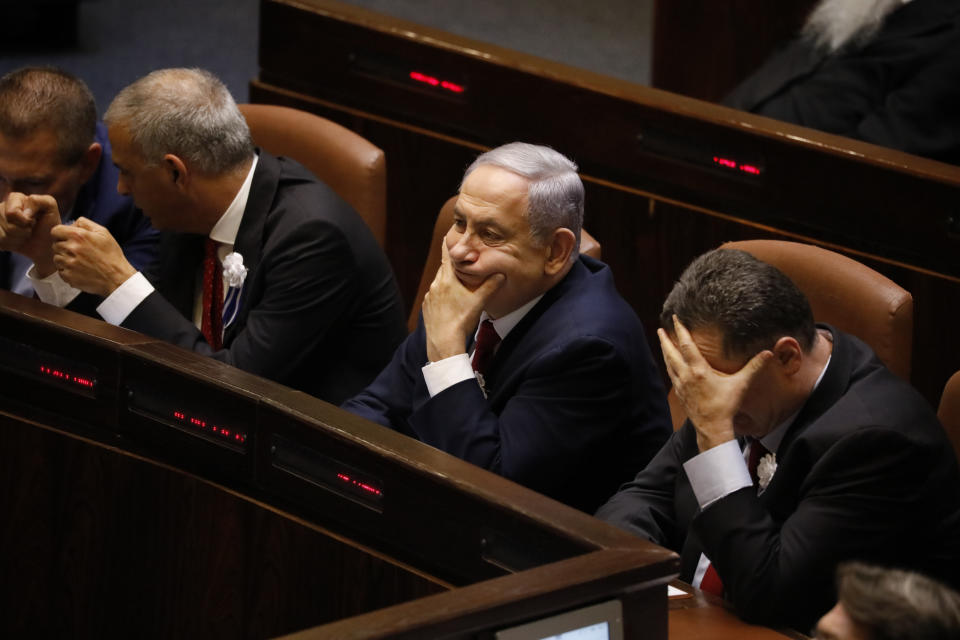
{"x": 211, "y": 321}
{"x": 487, "y": 341}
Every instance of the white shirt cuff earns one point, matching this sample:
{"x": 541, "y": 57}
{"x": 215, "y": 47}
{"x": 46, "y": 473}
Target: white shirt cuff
{"x": 447, "y": 372}
{"x": 118, "y": 305}
{"x": 52, "y": 289}
{"x": 717, "y": 472}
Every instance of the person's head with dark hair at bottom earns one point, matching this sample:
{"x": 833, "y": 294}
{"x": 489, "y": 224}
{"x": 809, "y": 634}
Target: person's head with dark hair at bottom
{"x": 874, "y": 603}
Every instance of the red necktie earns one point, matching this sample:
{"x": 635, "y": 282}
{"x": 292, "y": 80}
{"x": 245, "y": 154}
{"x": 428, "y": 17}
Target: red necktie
{"x": 487, "y": 341}
{"x": 211, "y": 321}
{"x": 711, "y": 582}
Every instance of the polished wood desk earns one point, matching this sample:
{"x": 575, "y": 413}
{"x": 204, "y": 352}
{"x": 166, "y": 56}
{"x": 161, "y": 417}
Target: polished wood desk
{"x": 667, "y": 177}
{"x": 150, "y": 492}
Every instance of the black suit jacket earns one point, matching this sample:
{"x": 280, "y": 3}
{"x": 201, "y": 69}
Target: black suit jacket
{"x": 319, "y": 310}
{"x": 864, "y": 472}
{"x": 899, "y": 90}
{"x": 576, "y": 405}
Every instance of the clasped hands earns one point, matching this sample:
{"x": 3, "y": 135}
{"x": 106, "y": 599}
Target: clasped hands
{"x": 451, "y": 310}
{"x": 711, "y": 398}
{"x": 84, "y": 253}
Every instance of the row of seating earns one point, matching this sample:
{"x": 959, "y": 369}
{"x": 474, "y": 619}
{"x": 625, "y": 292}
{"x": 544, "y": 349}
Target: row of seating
{"x": 842, "y": 291}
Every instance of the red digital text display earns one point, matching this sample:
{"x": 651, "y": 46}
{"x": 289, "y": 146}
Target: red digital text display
{"x": 730, "y": 163}
{"x": 440, "y": 83}
{"x": 61, "y": 374}
{"x": 205, "y": 426}
{"x": 363, "y": 486}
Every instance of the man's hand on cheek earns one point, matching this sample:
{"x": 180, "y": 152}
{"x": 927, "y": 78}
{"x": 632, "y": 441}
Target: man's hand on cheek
{"x": 451, "y": 310}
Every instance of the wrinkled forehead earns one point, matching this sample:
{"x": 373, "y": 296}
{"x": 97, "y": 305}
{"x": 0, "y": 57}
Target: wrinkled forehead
{"x": 490, "y": 191}
{"x": 38, "y": 151}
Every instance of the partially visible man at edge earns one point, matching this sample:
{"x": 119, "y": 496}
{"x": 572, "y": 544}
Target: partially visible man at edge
{"x": 51, "y": 143}
{"x": 876, "y": 603}
{"x": 560, "y": 392}
{"x": 308, "y": 297}
{"x": 801, "y": 451}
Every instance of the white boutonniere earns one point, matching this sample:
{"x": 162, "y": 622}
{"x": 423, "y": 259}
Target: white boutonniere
{"x": 234, "y": 273}
{"x": 765, "y": 470}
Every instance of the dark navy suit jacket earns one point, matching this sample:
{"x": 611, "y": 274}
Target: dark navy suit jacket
{"x": 864, "y": 472}
{"x": 319, "y": 311}
{"x": 575, "y": 408}
{"x": 99, "y": 201}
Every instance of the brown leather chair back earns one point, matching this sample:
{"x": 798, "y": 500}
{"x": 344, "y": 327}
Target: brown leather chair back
{"x": 949, "y": 411}
{"x": 351, "y": 165}
{"x": 843, "y": 292}
{"x": 588, "y": 246}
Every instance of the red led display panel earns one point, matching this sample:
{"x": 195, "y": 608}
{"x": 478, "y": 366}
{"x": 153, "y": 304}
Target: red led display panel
{"x": 730, "y": 163}
{"x": 201, "y": 425}
{"x": 61, "y": 374}
{"x": 366, "y": 487}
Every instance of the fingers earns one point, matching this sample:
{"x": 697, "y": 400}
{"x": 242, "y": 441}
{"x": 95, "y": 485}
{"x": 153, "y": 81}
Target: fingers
{"x": 444, "y": 251}
{"x": 756, "y": 365}
{"x": 671, "y": 356}
{"x": 18, "y": 211}
{"x": 88, "y": 224}
{"x": 489, "y": 286}
{"x": 685, "y": 344}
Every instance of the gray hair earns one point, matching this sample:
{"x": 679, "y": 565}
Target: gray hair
{"x": 37, "y": 98}
{"x": 750, "y": 302}
{"x": 898, "y": 605}
{"x": 186, "y": 112}
{"x": 555, "y": 195}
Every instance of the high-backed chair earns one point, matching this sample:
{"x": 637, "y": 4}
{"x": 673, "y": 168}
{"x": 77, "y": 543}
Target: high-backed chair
{"x": 350, "y": 164}
{"x": 588, "y": 246}
{"x": 844, "y": 293}
{"x": 949, "y": 411}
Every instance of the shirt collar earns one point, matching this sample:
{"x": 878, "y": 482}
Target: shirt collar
{"x": 225, "y": 231}
{"x": 771, "y": 441}
{"x": 505, "y": 324}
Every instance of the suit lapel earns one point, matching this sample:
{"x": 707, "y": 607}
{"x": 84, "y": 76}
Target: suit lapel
{"x": 250, "y": 234}
{"x": 181, "y": 255}
{"x": 792, "y": 63}
{"x": 515, "y": 349}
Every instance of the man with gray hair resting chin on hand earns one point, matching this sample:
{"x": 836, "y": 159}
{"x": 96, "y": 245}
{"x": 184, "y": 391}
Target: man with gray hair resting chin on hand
{"x": 526, "y": 361}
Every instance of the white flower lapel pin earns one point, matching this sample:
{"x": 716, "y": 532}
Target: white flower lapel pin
{"x": 765, "y": 470}
{"x": 234, "y": 273}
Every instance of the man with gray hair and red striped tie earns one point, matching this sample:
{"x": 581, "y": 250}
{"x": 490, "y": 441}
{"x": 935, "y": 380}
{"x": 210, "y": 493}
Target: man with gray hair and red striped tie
{"x": 262, "y": 266}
